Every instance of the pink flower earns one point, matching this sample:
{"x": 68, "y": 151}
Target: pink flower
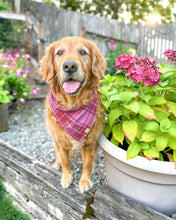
{"x": 8, "y": 58}
{"x": 16, "y": 54}
{"x": 27, "y": 56}
{"x": 26, "y": 71}
{"x": 171, "y": 55}
{"x": 112, "y": 47}
{"x": 125, "y": 42}
{"x": 14, "y": 63}
{"x": 140, "y": 69}
{"x": 22, "y": 100}
{"x": 125, "y": 61}
{"x": 34, "y": 91}
{"x": 5, "y": 66}
{"x": 18, "y": 73}
{"x": 13, "y": 67}
{"x": 112, "y": 41}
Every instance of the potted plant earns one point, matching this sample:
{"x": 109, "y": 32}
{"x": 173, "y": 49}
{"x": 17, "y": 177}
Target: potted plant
{"x": 139, "y": 139}
{"x": 4, "y": 99}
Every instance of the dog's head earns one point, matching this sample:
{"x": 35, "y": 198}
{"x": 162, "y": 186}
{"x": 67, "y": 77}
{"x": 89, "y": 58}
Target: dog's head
{"x": 71, "y": 63}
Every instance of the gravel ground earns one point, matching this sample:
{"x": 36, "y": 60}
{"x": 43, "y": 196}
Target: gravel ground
{"x": 27, "y": 132}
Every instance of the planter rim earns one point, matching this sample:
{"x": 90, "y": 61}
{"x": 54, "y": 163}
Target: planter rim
{"x": 162, "y": 167}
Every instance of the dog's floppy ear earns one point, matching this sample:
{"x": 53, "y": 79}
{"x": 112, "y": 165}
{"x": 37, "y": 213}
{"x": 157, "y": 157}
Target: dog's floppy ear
{"x": 46, "y": 64}
{"x": 98, "y": 62}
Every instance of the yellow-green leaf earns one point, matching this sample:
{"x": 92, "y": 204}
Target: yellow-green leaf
{"x": 157, "y": 100}
{"x": 133, "y": 150}
{"x": 172, "y": 107}
{"x": 130, "y": 129}
{"x": 161, "y": 142}
{"x": 118, "y": 133}
{"x": 146, "y": 111}
{"x": 113, "y": 115}
{"x": 149, "y": 136}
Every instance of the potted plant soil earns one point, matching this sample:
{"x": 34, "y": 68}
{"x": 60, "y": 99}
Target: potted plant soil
{"x": 139, "y": 139}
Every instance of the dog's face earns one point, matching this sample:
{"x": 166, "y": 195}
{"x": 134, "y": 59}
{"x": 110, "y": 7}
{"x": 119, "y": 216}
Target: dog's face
{"x": 72, "y": 62}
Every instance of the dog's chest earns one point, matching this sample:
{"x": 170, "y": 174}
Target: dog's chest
{"x": 76, "y": 147}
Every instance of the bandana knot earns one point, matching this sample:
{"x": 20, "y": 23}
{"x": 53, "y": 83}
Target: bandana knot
{"x": 76, "y": 122}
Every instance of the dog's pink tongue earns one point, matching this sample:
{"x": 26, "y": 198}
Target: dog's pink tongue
{"x": 71, "y": 86}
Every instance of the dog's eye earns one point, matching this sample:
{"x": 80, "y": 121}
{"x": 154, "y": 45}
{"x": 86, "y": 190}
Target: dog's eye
{"x": 83, "y": 52}
{"x": 59, "y": 52}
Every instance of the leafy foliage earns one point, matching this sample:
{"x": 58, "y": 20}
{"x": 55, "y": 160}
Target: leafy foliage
{"x": 142, "y": 116}
{"x": 138, "y": 9}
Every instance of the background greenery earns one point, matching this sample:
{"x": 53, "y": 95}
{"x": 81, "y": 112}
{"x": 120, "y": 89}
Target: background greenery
{"x": 113, "y": 8}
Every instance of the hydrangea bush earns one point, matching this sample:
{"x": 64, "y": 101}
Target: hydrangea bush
{"x": 141, "y": 107}
{"x": 13, "y": 75}
{"x": 114, "y": 49}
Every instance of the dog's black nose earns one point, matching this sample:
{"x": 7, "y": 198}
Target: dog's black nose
{"x": 70, "y": 66}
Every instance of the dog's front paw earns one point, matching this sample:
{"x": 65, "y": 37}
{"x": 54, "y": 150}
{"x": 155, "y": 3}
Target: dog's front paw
{"x": 85, "y": 185}
{"x": 66, "y": 180}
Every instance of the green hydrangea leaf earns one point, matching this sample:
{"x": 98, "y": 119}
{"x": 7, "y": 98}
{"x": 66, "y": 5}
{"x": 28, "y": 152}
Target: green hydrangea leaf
{"x": 165, "y": 125}
{"x": 146, "y": 111}
{"x": 161, "y": 142}
{"x": 130, "y": 129}
{"x": 172, "y": 132}
{"x": 160, "y": 115}
{"x": 172, "y": 142}
{"x": 134, "y": 106}
{"x": 151, "y": 153}
{"x": 114, "y": 141}
{"x": 144, "y": 145}
{"x": 172, "y": 107}
{"x": 152, "y": 126}
{"x": 133, "y": 150}
{"x": 106, "y": 103}
{"x": 157, "y": 100}
{"x": 113, "y": 115}
{"x": 118, "y": 133}
{"x": 149, "y": 136}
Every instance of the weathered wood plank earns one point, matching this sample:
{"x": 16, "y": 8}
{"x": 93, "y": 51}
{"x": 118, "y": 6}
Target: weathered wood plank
{"x": 41, "y": 184}
{"x": 13, "y": 16}
{"x": 37, "y": 190}
{"x": 109, "y": 205}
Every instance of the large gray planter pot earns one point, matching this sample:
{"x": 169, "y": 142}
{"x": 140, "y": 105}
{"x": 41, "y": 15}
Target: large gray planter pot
{"x": 152, "y": 183}
{"x": 4, "y": 117}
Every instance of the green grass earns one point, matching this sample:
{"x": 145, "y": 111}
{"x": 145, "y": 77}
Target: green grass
{"x": 7, "y": 210}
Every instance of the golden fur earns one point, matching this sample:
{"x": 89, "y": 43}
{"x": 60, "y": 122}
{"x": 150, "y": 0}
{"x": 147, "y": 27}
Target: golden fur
{"x": 91, "y": 67}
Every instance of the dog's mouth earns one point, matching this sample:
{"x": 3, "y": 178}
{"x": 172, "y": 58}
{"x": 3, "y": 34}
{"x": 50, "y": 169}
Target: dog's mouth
{"x": 72, "y": 87}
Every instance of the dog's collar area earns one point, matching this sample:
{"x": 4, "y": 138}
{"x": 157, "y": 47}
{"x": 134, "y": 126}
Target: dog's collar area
{"x": 76, "y": 122}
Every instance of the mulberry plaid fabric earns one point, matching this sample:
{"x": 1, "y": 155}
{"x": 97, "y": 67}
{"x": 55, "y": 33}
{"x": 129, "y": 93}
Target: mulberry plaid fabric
{"x": 76, "y": 122}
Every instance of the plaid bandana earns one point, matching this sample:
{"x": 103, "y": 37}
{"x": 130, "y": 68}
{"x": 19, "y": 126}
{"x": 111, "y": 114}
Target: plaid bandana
{"x": 76, "y": 122}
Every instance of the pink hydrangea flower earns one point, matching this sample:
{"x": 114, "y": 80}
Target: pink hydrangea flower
{"x": 112, "y": 47}
{"x": 171, "y": 55}
{"x": 26, "y": 71}
{"x": 112, "y": 41}
{"x": 22, "y": 100}
{"x": 34, "y": 91}
{"x": 140, "y": 69}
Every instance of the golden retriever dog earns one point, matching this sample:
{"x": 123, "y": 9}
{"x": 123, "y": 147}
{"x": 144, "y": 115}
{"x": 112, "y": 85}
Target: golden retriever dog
{"x": 72, "y": 68}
